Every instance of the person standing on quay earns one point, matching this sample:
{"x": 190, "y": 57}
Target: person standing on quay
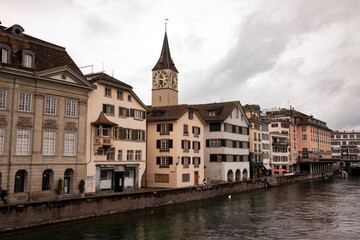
{"x": 3, "y": 194}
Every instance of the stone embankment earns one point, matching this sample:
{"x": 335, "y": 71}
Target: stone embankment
{"x": 33, "y": 214}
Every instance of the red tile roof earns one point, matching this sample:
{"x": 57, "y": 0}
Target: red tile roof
{"x": 102, "y": 120}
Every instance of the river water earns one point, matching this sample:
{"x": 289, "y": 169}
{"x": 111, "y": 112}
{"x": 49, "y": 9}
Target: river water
{"x": 318, "y": 209}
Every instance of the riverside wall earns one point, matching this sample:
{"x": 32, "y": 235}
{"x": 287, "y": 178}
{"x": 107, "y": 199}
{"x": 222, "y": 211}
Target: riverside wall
{"x": 19, "y": 216}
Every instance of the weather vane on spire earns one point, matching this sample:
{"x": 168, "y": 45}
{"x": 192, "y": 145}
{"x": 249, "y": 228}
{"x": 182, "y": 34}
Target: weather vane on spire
{"x": 166, "y": 20}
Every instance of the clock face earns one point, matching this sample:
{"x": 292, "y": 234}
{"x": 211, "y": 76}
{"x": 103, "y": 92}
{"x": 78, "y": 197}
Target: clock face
{"x": 160, "y": 79}
{"x": 173, "y": 80}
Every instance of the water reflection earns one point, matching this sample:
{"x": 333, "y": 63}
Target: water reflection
{"x": 322, "y": 209}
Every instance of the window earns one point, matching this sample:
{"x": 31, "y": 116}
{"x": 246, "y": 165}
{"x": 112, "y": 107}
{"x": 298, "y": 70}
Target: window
{"x": 186, "y": 129}
{"x": 185, "y": 145}
{"x": 255, "y": 136}
{"x": 116, "y": 132}
{"x": 196, "y": 131}
{"x": 22, "y": 141}
{"x": 185, "y": 161}
{"x": 196, "y": 146}
{"x": 129, "y": 98}
{"x": 186, "y": 177}
{"x": 2, "y": 99}
{"x": 4, "y": 55}
{"x": 214, "y": 127}
{"x": 49, "y": 143}
{"x": 191, "y": 114}
{"x": 304, "y": 137}
{"x": 119, "y": 155}
{"x": 137, "y": 114}
{"x": 119, "y": 94}
{"x": 345, "y": 136}
{"x": 108, "y": 109}
{"x": 110, "y": 155}
{"x": 164, "y": 128}
{"x": 196, "y": 161}
{"x": 122, "y": 112}
{"x": 25, "y": 102}
{"x": 69, "y": 148}
{"x": 71, "y": 108}
{"x": 164, "y": 144}
{"x": 164, "y": 161}
{"x": 139, "y": 133}
{"x": 303, "y": 128}
{"x": 28, "y": 61}
{"x": 2, "y": 135}
{"x": 127, "y": 134}
{"x": 20, "y": 181}
{"x": 164, "y": 178}
{"x": 107, "y": 92}
{"x": 50, "y": 105}
{"x": 274, "y": 125}
{"x": 47, "y": 180}
{"x": 138, "y": 155}
{"x": 129, "y": 155}
{"x": 211, "y": 113}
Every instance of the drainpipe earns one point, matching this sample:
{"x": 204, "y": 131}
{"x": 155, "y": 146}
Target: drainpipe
{"x": 11, "y": 135}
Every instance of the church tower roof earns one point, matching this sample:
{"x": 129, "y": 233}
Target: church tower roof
{"x": 165, "y": 61}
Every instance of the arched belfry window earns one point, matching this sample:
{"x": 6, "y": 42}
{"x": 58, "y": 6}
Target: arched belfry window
{"x": 5, "y": 52}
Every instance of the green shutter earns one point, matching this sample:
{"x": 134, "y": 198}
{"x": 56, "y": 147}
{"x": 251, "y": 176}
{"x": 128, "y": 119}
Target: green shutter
{"x": 133, "y": 134}
{"x": 112, "y": 109}
{"x": 122, "y": 133}
{"x": 143, "y": 135}
{"x": 104, "y": 108}
{"x": 131, "y": 112}
{"x": 143, "y": 114}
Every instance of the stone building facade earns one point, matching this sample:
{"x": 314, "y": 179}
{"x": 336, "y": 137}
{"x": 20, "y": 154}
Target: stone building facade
{"x": 43, "y": 108}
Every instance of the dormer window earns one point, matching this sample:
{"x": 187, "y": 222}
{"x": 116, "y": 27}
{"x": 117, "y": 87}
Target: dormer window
{"x": 28, "y": 59}
{"x": 4, "y": 53}
{"x": 212, "y": 113}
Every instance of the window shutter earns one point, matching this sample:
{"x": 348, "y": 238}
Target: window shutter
{"x": 104, "y": 108}
{"x": 170, "y": 160}
{"x": 193, "y": 160}
{"x": 170, "y": 127}
{"x": 122, "y": 133}
{"x": 133, "y": 134}
{"x": 170, "y": 143}
{"x": 199, "y": 145}
{"x": 158, "y": 127}
{"x": 199, "y": 130}
{"x": 131, "y": 112}
{"x": 182, "y": 144}
{"x": 143, "y": 135}
{"x": 112, "y": 109}
{"x": 193, "y": 129}
{"x": 224, "y": 127}
{"x": 247, "y": 129}
{"x": 158, "y": 160}
{"x": 127, "y": 112}
{"x": 158, "y": 144}
{"x": 193, "y": 144}
{"x": 199, "y": 160}
{"x": 223, "y": 157}
{"x": 189, "y": 144}
{"x": 182, "y": 160}
{"x": 143, "y": 114}
{"x": 207, "y": 143}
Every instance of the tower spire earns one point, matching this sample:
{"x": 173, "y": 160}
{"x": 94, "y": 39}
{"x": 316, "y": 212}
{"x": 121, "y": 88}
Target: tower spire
{"x": 165, "y": 61}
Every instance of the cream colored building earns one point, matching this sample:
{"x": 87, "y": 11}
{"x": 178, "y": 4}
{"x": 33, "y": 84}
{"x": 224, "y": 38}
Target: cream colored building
{"x": 116, "y": 146}
{"x": 43, "y": 109}
{"x": 280, "y": 156}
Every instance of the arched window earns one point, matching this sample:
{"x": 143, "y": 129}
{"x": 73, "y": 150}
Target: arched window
{"x": 4, "y": 53}
{"x": 47, "y": 179}
{"x": 245, "y": 174}
{"x": 237, "y": 175}
{"x": 68, "y": 180}
{"x": 20, "y": 181}
{"x": 230, "y": 176}
{"x": 28, "y": 59}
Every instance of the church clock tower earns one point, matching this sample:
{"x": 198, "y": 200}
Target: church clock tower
{"x": 164, "y": 79}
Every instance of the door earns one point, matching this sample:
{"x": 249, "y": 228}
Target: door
{"x": 118, "y": 181}
{"x": 196, "y": 178}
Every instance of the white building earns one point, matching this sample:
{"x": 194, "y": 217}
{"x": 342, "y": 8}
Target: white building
{"x": 227, "y": 141}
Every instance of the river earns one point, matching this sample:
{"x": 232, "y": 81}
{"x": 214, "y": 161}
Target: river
{"x": 318, "y": 209}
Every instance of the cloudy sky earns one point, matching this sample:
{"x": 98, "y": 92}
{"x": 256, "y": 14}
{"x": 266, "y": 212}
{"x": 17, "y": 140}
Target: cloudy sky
{"x": 302, "y": 53}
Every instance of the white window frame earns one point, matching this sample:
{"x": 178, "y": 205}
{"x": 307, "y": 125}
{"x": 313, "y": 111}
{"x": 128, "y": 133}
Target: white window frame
{"x": 186, "y": 145}
{"x": 138, "y": 134}
{"x": 129, "y": 155}
{"x": 107, "y": 92}
{"x": 71, "y": 108}
{"x": 4, "y": 55}
{"x": 196, "y": 146}
{"x": 127, "y": 134}
{"x": 165, "y": 128}
{"x": 196, "y": 131}
{"x": 3, "y": 94}
{"x": 186, "y": 161}
{"x": 22, "y": 141}
{"x": 25, "y": 101}
{"x": 120, "y": 94}
{"x": 50, "y": 105}
{"x": 196, "y": 161}
{"x": 49, "y": 143}
{"x": 2, "y": 137}
{"x": 164, "y": 161}
{"x": 138, "y": 155}
{"x": 70, "y": 144}
{"x": 119, "y": 155}
{"x": 137, "y": 114}
{"x": 28, "y": 60}
{"x": 164, "y": 144}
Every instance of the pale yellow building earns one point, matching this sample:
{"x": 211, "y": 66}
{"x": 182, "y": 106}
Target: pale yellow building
{"x": 116, "y": 146}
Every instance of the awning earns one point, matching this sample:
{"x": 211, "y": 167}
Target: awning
{"x": 267, "y": 167}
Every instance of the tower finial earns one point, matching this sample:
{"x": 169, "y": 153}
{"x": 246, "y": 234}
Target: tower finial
{"x": 166, "y": 19}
